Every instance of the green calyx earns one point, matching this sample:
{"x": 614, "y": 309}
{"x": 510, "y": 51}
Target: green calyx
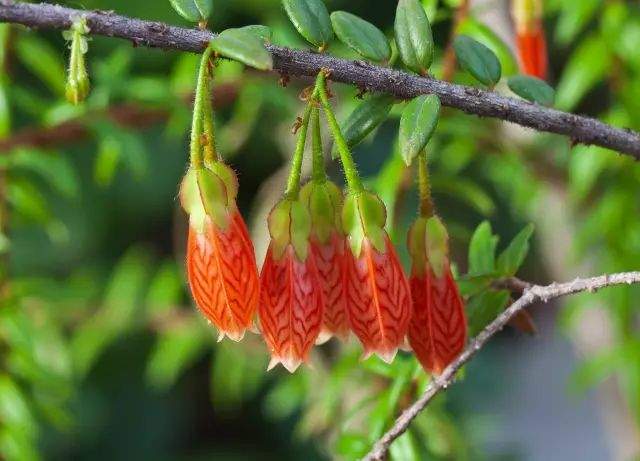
{"x": 364, "y": 216}
{"x": 209, "y": 192}
{"x": 323, "y": 200}
{"x": 428, "y": 243}
{"x": 289, "y": 224}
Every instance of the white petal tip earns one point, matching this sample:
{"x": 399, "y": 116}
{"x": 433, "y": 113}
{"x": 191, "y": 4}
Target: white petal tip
{"x": 290, "y": 363}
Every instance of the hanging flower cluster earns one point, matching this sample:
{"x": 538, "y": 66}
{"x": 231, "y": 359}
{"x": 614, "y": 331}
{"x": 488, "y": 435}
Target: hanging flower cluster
{"x": 330, "y": 268}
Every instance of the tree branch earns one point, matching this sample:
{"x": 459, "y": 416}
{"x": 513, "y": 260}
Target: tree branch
{"x": 531, "y": 294}
{"x": 364, "y": 75}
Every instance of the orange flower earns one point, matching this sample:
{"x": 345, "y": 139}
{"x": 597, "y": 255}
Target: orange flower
{"x": 221, "y": 266}
{"x": 331, "y": 263}
{"x": 438, "y": 328}
{"x": 323, "y": 200}
{"x": 378, "y": 296}
{"x": 291, "y": 307}
{"x": 530, "y": 39}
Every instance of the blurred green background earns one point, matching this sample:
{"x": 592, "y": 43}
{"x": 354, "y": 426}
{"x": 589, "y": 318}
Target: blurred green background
{"x": 104, "y": 357}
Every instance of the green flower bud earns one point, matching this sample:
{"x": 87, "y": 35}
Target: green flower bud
{"x": 364, "y": 215}
{"x": 77, "y": 86}
{"x": 323, "y": 199}
{"x": 290, "y": 224}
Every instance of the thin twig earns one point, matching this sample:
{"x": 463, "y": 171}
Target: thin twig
{"x": 363, "y": 75}
{"x": 530, "y": 295}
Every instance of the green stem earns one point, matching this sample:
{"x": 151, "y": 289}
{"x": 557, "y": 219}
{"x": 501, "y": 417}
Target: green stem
{"x": 200, "y": 109}
{"x": 293, "y": 183}
{"x": 426, "y": 203}
{"x": 350, "y": 171}
{"x": 319, "y": 173}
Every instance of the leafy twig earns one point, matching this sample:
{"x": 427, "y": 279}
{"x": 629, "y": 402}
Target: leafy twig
{"x": 359, "y": 73}
{"x": 530, "y": 295}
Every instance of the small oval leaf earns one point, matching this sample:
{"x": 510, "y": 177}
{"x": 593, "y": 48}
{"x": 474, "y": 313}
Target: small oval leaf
{"x": 478, "y": 60}
{"x": 362, "y": 36}
{"x": 413, "y": 36}
{"x": 262, "y": 32}
{"x": 532, "y": 89}
{"x": 193, "y": 10}
{"x": 311, "y": 20}
{"x": 417, "y": 123}
{"x": 365, "y": 118}
{"x": 243, "y": 45}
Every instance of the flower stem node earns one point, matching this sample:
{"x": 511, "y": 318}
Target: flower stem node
{"x": 290, "y": 224}
{"x": 364, "y": 216}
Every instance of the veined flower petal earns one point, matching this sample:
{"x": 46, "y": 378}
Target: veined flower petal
{"x": 291, "y": 307}
{"x": 438, "y": 327}
{"x": 378, "y": 299}
{"x": 330, "y": 261}
{"x": 223, "y": 276}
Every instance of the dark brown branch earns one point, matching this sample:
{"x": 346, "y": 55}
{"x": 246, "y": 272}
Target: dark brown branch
{"x": 359, "y": 73}
{"x": 531, "y": 294}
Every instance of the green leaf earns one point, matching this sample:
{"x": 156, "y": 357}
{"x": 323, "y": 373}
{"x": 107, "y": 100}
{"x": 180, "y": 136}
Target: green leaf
{"x": 56, "y": 169}
{"x": 243, "y": 45}
{"x": 482, "y": 309}
{"x": 513, "y": 256}
{"x": 588, "y": 65}
{"x": 485, "y": 35}
{"x": 263, "y": 32}
{"x": 352, "y": 445}
{"x": 405, "y": 448}
{"x": 193, "y": 10}
{"x": 532, "y": 89}
{"x": 43, "y": 60}
{"x": 367, "y": 116}
{"x": 417, "y": 124}
{"x": 478, "y": 60}
{"x": 311, "y": 19}
{"x": 174, "y": 351}
{"x": 573, "y": 18}
{"x": 122, "y": 297}
{"x": 360, "y": 35}
{"x": 413, "y": 36}
{"x": 482, "y": 250}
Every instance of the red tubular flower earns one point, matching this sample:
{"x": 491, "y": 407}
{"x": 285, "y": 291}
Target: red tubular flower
{"x": 530, "y": 39}
{"x": 221, "y": 266}
{"x": 291, "y": 306}
{"x": 378, "y": 296}
{"x": 438, "y": 327}
{"x": 323, "y": 199}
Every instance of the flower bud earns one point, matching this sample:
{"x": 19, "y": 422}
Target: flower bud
{"x": 77, "y": 86}
{"x": 378, "y": 297}
{"x": 438, "y": 327}
{"x": 291, "y": 307}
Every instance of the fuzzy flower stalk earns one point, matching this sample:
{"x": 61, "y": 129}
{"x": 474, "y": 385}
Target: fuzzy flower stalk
{"x": 438, "y": 328}
{"x": 291, "y": 297}
{"x": 220, "y": 260}
{"x": 377, "y": 291}
{"x": 323, "y": 199}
